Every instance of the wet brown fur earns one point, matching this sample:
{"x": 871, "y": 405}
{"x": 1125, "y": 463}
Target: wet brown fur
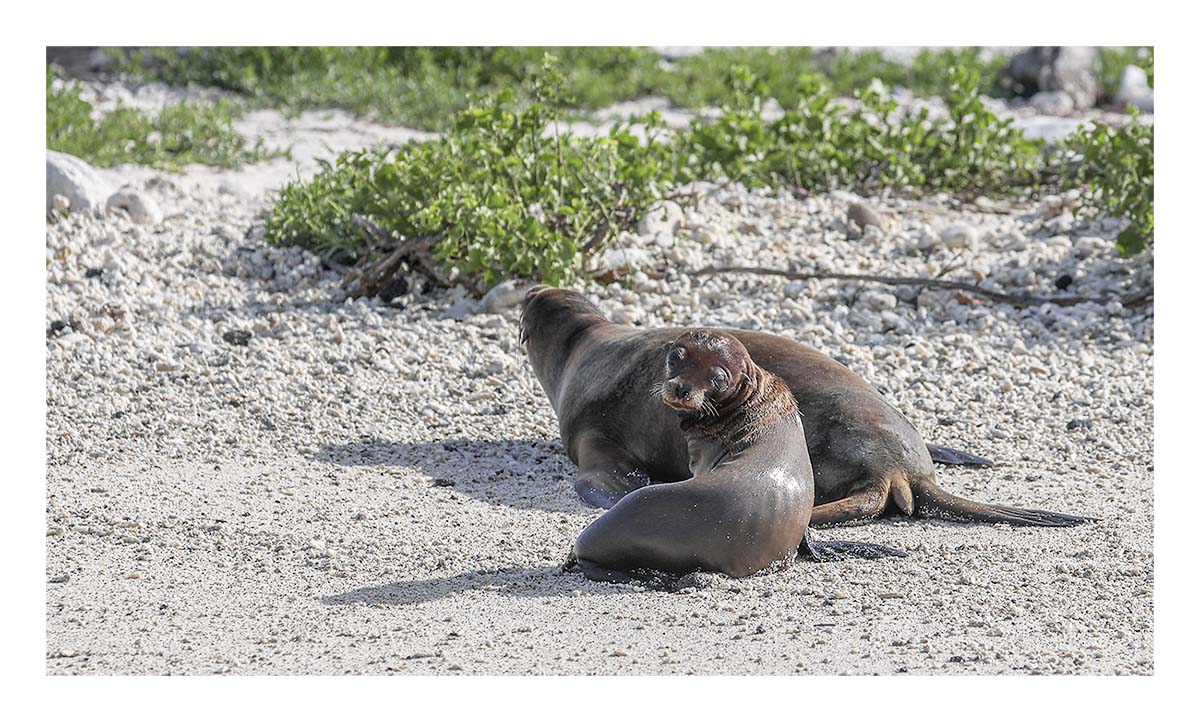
{"x": 603, "y": 381}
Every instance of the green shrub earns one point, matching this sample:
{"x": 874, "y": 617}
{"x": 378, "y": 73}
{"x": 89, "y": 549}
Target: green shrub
{"x": 502, "y": 193}
{"x": 788, "y": 74}
{"x": 177, "y": 135}
{"x": 503, "y": 196}
{"x": 1115, "y": 168}
{"x": 421, "y": 87}
{"x": 821, "y": 145}
{"x": 424, "y": 87}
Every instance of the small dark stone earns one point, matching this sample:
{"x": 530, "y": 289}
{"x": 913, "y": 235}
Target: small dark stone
{"x": 956, "y": 658}
{"x": 443, "y": 482}
{"x": 93, "y": 273}
{"x": 947, "y": 420}
{"x": 1079, "y": 424}
{"x": 237, "y": 337}
{"x": 1063, "y": 281}
{"x": 268, "y": 424}
{"x": 56, "y": 327}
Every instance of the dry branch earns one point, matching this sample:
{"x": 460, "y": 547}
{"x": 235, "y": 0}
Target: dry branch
{"x": 1133, "y": 300}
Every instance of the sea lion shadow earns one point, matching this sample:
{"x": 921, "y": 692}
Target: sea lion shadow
{"x": 546, "y": 581}
{"x": 521, "y": 473}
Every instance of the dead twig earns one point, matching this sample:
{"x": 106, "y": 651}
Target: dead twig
{"x": 1132, "y": 300}
{"x": 386, "y": 260}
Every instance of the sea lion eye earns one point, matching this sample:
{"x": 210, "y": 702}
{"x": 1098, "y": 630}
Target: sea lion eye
{"x": 675, "y": 357}
{"x": 720, "y": 379}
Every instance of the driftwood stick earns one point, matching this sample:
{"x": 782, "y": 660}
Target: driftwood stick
{"x": 1133, "y": 300}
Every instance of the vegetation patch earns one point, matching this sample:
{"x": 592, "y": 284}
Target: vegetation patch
{"x": 787, "y": 74}
{"x": 1114, "y": 60}
{"x": 821, "y": 145}
{"x": 424, "y": 87}
{"x": 418, "y": 87}
{"x": 177, "y": 135}
{"x": 1115, "y": 168}
{"x": 500, "y": 195}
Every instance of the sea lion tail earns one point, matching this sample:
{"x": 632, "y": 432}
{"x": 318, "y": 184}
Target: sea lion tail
{"x": 934, "y": 502}
{"x": 833, "y": 551}
{"x": 954, "y": 457}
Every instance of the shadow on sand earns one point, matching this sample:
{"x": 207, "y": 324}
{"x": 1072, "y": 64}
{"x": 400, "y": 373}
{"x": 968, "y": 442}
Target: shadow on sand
{"x": 521, "y": 473}
{"x": 536, "y": 582}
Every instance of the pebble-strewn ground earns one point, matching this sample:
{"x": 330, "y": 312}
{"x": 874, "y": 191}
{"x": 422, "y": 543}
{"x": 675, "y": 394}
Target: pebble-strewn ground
{"x": 249, "y": 475}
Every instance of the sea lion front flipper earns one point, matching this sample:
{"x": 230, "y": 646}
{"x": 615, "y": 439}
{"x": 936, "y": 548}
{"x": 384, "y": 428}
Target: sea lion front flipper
{"x": 833, "y": 551}
{"x": 954, "y": 457}
{"x": 604, "y": 488}
{"x": 605, "y": 476}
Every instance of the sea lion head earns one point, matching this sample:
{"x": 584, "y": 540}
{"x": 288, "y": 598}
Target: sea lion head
{"x": 706, "y": 372}
{"x": 548, "y": 310}
{"x": 552, "y": 321}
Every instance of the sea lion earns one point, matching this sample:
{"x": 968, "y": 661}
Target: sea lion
{"x": 747, "y": 504}
{"x": 867, "y": 459}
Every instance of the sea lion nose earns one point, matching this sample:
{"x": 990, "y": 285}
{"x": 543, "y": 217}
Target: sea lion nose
{"x": 682, "y": 389}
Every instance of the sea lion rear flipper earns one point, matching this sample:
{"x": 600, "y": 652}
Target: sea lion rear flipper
{"x": 832, "y": 551}
{"x": 937, "y": 503}
{"x": 954, "y": 457}
{"x": 858, "y": 508}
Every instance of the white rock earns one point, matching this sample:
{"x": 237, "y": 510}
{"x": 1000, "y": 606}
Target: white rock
{"x": 959, "y": 235}
{"x": 141, "y": 208}
{"x": 75, "y": 180}
{"x": 1048, "y": 128}
{"x": 879, "y": 300}
{"x": 1060, "y": 223}
{"x": 503, "y": 295}
{"x": 794, "y": 289}
{"x": 1134, "y": 90}
{"x": 624, "y": 259}
{"x": 462, "y": 308}
{"x": 664, "y": 217}
{"x": 628, "y": 315}
{"x": 1052, "y": 102}
{"x": 1052, "y": 205}
{"x": 71, "y": 339}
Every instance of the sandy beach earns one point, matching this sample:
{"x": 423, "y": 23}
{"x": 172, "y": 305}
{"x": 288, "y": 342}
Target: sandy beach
{"x": 250, "y": 475}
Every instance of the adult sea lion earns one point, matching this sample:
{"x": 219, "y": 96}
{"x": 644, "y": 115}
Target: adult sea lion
{"x": 600, "y": 376}
{"x": 747, "y": 504}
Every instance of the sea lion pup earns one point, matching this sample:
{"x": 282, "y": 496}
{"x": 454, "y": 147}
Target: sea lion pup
{"x": 750, "y": 496}
{"x": 867, "y": 459}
